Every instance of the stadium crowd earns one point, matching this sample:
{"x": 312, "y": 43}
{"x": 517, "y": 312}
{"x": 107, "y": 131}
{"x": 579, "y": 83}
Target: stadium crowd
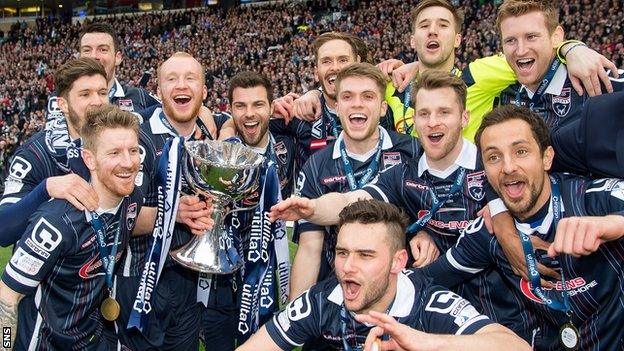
{"x": 275, "y": 37}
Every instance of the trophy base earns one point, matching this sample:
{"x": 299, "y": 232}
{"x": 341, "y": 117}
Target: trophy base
{"x": 210, "y": 265}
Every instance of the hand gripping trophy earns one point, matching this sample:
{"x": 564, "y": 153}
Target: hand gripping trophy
{"x": 225, "y": 172}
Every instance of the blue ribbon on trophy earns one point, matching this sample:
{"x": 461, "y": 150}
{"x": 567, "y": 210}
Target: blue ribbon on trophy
{"x": 168, "y": 180}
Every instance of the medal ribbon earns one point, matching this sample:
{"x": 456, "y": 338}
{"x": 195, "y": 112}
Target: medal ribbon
{"x": 370, "y": 171}
{"x": 168, "y": 180}
{"x": 541, "y": 89}
{"x": 437, "y": 203}
{"x": 534, "y": 276}
{"x": 108, "y": 256}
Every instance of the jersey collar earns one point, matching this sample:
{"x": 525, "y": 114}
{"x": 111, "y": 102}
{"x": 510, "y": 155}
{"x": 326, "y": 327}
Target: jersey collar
{"x": 157, "y": 126}
{"x": 119, "y": 92}
{"x": 545, "y": 224}
{"x": 556, "y": 85}
{"x": 467, "y": 158}
{"x": 387, "y": 144}
{"x": 403, "y": 301}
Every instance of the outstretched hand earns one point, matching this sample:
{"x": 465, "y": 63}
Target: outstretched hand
{"x": 292, "y": 209}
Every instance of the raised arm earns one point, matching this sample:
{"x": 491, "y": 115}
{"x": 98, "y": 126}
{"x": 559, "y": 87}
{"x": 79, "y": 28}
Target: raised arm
{"x": 322, "y": 211}
{"x": 402, "y": 337}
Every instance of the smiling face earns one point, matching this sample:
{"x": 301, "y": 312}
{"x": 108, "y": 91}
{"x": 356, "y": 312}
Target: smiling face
{"x": 251, "y": 111}
{"x": 85, "y": 92}
{"x": 360, "y": 104}
{"x": 115, "y": 161}
{"x": 332, "y": 57}
{"x": 439, "y": 120}
{"x": 181, "y": 88}
{"x": 434, "y": 37}
{"x": 100, "y": 46}
{"x": 529, "y": 47}
{"x": 515, "y": 166}
{"x": 365, "y": 266}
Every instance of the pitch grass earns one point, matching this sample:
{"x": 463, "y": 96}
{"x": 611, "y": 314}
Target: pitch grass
{"x": 5, "y": 255}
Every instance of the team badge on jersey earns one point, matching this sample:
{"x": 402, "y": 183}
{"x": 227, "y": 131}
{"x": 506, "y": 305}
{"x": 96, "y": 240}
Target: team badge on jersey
{"x": 561, "y": 104}
{"x": 281, "y": 152}
{"x": 125, "y": 105}
{"x": 131, "y": 215}
{"x": 390, "y": 159}
{"x": 475, "y": 185}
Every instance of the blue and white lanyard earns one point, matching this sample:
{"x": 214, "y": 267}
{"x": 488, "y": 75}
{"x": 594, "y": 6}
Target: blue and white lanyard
{"x": 437, "y": 203}
{"x": 107, "y": 257}
{"x": 370, "y": 171}
{"x": 541, "y": 89}
{"x": 332, "y": 120}
{"x": 534, "y": 276}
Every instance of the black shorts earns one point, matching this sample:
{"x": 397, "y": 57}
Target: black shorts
{"x": 176, "y": 316}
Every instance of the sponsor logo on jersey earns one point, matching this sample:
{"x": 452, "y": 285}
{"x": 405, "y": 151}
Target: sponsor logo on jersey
{"x": 125, "y": 105}
{"x": 390, "y": 159}
{"x": 89, "y": 269}
{"x": 475, "y": 182}
{"x": 573, "y": 286}
{"x": 450, "y": 225}
{"x": 561, "y": 104}
{"x": 44, "y": 238}
{"x": 618, "y": 191}
{"x": 333, "y": 179}
{"x": 416, "y": 185}
{"x": 25, "y": 262}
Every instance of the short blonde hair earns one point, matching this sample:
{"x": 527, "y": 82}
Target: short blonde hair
{"x": 517, "y": 8}
{"x": 105, "y": 117}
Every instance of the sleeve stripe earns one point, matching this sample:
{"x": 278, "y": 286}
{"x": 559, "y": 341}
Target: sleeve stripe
{"x": 469, "y": 323}
{"x": 378, "y": 190}
{"x": 20, "y": 278}
{"x": 279, "y": 328}
{"x": 9, "y": 200}
{"x": 458, "y": 266}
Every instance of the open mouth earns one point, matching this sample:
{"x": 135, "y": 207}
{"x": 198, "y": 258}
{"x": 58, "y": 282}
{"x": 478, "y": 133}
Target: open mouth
{"x": 127, "y": 175}
{"x": 435, "y": 137}
{"x": 357, "y": 119}
{"x": 525, "y": 64}
{"x": 251, "y": 126}
{"x": 332, "y": 79}
{"x": 432, "y": 45}
{"x": 350, "y": 289}
{"x": 181, "y": 99}
{"x": 515, "y": 188}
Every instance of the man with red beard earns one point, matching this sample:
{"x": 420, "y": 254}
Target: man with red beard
{"x": 67, "y": 256}
{"x": 168, "y": 318}
{"x": 370, "y": 276}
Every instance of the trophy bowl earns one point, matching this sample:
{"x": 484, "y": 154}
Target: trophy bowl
{"x": 225, "y": 172}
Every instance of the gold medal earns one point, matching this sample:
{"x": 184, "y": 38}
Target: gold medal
{"x": 110, "y": 309}
{"x": 569, "y": 337}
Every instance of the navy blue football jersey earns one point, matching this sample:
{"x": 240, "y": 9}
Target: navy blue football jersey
{"x": 418, "y": 304}
{"x": 596, "y": 295}
{"x": 31, "y": 164}
{"x": 58, "y": 261}
{"x": 407, "y": 186}
{"x": 290, "y": 151}
{"x": 152, "y": 138}
{"x": 324, "y": 173}
{"x": 559, "y": 105}
{"x": 593, "y": 145}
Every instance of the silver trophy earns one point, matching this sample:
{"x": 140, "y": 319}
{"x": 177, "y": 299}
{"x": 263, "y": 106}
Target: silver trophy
{"x": 225, "y": 172}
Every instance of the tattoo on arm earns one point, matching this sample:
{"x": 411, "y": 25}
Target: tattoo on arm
{"x": 8, "y": 319}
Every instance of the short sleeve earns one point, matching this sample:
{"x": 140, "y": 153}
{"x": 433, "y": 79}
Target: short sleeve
{"x": 25, "y": 173}
{"x": 448, "y": 313}
{"x": 297, "y": 323}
